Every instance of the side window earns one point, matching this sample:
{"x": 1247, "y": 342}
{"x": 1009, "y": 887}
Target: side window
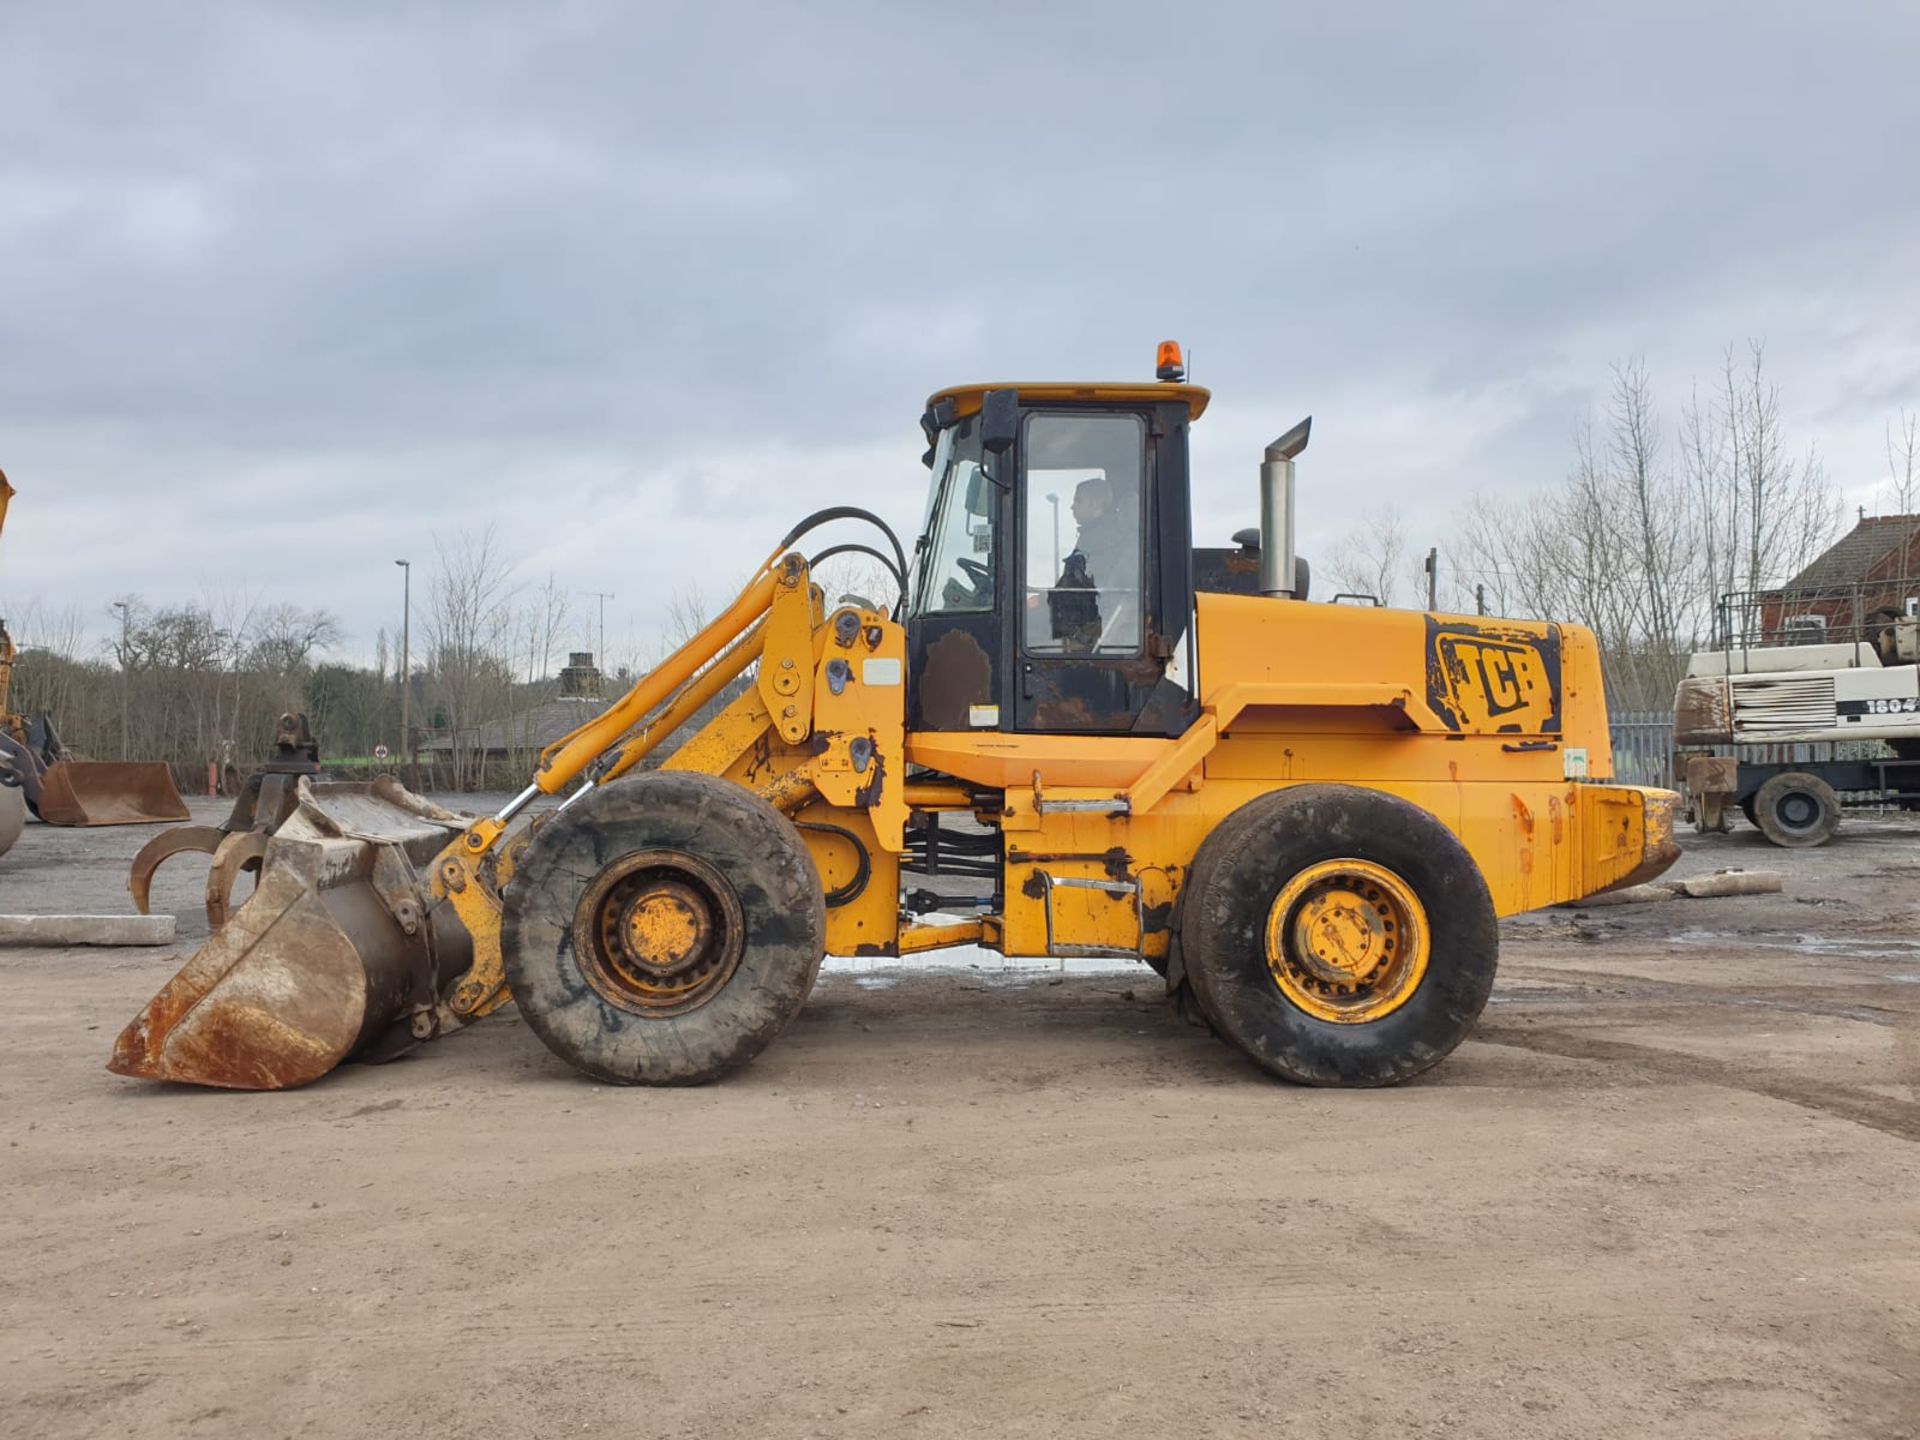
{"x": 1083, "y": 592}
{"x": 957, "y": 578}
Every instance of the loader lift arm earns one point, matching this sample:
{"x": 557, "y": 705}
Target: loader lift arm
{"x": 467, "y": 876}
{"x": 773, "y": 621}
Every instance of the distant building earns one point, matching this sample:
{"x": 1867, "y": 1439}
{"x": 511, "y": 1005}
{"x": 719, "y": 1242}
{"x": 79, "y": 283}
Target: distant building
{"x": 1869, "y": 571}
{"x": 579, "y": 700}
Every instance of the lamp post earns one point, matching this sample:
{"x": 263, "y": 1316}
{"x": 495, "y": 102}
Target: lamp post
{"x": 600, "y": 655}
{"x": 126, "y": 670}
{"x": 406, "y": 660}
{"x": 1054, "y": 501}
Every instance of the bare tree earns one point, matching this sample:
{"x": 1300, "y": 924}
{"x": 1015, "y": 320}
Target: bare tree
{"x": 284, "y": 643}
{"x": 1784, "y": 509}
{"x": 54, "y": 676}
{"x": 469, "y": 629}
{"x": 286, "y": 638}
{"x": 1641, "y": 553}
{"x": 1656, "y": 520}
{"x": 1714, "y": 518}
{"x": 1369, "y": 560}
{"x": 688, "y": 612}
{"x": 1903, "y": 464}
{"x": 543, "y": 622}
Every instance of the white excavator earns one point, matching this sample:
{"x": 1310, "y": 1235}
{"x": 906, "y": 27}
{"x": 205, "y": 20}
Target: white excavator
{"x": 1740, "y": 707}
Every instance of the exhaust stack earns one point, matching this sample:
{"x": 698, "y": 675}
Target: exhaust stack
{"x": 1276, "y": 511}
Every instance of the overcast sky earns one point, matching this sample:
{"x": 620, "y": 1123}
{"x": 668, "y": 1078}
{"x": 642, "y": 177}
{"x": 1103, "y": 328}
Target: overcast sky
{"x": 288, "y": 291}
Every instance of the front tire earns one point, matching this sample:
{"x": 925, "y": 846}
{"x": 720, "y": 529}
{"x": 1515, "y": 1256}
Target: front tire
{"x": 663, "y": 930}
{"x": 1338, "y": 936}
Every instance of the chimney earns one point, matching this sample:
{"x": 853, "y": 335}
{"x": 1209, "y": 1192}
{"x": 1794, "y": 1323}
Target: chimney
{"x": 580, "y": 678}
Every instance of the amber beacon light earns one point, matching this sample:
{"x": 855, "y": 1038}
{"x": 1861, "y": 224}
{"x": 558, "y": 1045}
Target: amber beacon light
{"x": 1168, "y": 364}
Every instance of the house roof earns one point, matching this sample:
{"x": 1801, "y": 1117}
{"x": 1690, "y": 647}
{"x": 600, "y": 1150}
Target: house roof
{"x": 1857, "y": 555}
{"x": 533, "y": 730}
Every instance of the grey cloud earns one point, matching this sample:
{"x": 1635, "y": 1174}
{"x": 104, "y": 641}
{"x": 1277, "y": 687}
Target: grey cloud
{"x": 438, "y": 264}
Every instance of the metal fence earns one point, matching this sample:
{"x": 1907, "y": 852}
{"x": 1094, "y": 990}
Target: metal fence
{"x": 1643, "y": 747}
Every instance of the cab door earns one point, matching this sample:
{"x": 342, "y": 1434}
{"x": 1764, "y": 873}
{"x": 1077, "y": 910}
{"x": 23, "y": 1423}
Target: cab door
{"x": 1105, "y": 590}
{"x": 956, "y": 645}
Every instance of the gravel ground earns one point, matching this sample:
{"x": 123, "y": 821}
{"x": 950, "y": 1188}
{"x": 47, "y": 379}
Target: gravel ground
{"x": 1669, "y": 1189}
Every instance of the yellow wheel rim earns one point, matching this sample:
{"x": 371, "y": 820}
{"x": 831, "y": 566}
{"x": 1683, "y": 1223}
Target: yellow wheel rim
{"x": 658, "y": 933}
{"x": 1347, "y": 941}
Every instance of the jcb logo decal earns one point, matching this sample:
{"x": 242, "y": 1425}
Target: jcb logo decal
{"x": 1495, "y": 678}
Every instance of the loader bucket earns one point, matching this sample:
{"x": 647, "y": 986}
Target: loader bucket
{"x": 104, "y": 792}
{"x": 333, "y": 956}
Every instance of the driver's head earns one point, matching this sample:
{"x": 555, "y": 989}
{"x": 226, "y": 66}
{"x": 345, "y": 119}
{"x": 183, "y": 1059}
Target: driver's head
{"x": 1091, "y": 499}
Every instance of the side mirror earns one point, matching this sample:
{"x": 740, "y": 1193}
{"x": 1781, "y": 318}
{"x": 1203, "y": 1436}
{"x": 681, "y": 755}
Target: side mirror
{"x": 999, "y": 420}
{"x": 978, "y": 501}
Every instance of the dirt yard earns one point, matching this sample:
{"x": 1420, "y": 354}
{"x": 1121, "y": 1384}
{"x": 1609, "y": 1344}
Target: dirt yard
{"x": 1672, "y": 1188}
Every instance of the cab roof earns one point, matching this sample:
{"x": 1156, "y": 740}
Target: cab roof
{"x": 966, "y": 398}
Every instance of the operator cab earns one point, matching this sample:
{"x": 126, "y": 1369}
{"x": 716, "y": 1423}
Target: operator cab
{"x": 1053, "y": 585}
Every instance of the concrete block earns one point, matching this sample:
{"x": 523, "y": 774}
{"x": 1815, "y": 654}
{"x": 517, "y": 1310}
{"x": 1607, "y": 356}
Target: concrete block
{"x": 86, "y": 929}
{"x": 1730, "y": 882}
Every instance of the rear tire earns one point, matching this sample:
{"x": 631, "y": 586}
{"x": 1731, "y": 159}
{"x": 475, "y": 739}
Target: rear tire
{"x": 1387, "y": 872}
{"x": 1797, "y": 810}
{"x": 663, "y": 930}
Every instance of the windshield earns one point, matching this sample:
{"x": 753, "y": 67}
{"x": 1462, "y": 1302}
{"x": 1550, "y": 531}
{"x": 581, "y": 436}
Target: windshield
{"x": 956, "y": 560}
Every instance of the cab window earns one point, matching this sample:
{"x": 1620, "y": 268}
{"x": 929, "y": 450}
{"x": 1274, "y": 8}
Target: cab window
{"x": 1083, "y": 593}
{"x": 956, "y": 576}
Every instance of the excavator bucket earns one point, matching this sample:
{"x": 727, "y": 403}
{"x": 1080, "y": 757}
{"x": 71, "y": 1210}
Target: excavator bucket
{"x": 109, "y": 792}
{"x": 334, "y": 956}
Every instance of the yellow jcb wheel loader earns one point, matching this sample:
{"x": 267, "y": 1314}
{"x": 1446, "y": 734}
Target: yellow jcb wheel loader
{"x": 37, "y": 773}
{"x": 1307, "y": 817}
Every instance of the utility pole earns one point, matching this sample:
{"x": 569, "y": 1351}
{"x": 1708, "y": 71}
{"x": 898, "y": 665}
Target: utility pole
{"x": 1433, "y": 578}
{"x": 126, "y": 671}
{"x": 1054, "y": 501}
{"x": 406, "y": 660}
{"x": 600, "y": 655}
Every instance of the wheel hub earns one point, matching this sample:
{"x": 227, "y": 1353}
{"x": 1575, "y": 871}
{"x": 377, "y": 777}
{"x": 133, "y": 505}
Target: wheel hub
{"x": 1347, "y": 941}
{"x": 659, "y": 933}
{"x": 1339, "y": 936}
{"x": 1797, "y": 811}
{"x": 665, "y": 927}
